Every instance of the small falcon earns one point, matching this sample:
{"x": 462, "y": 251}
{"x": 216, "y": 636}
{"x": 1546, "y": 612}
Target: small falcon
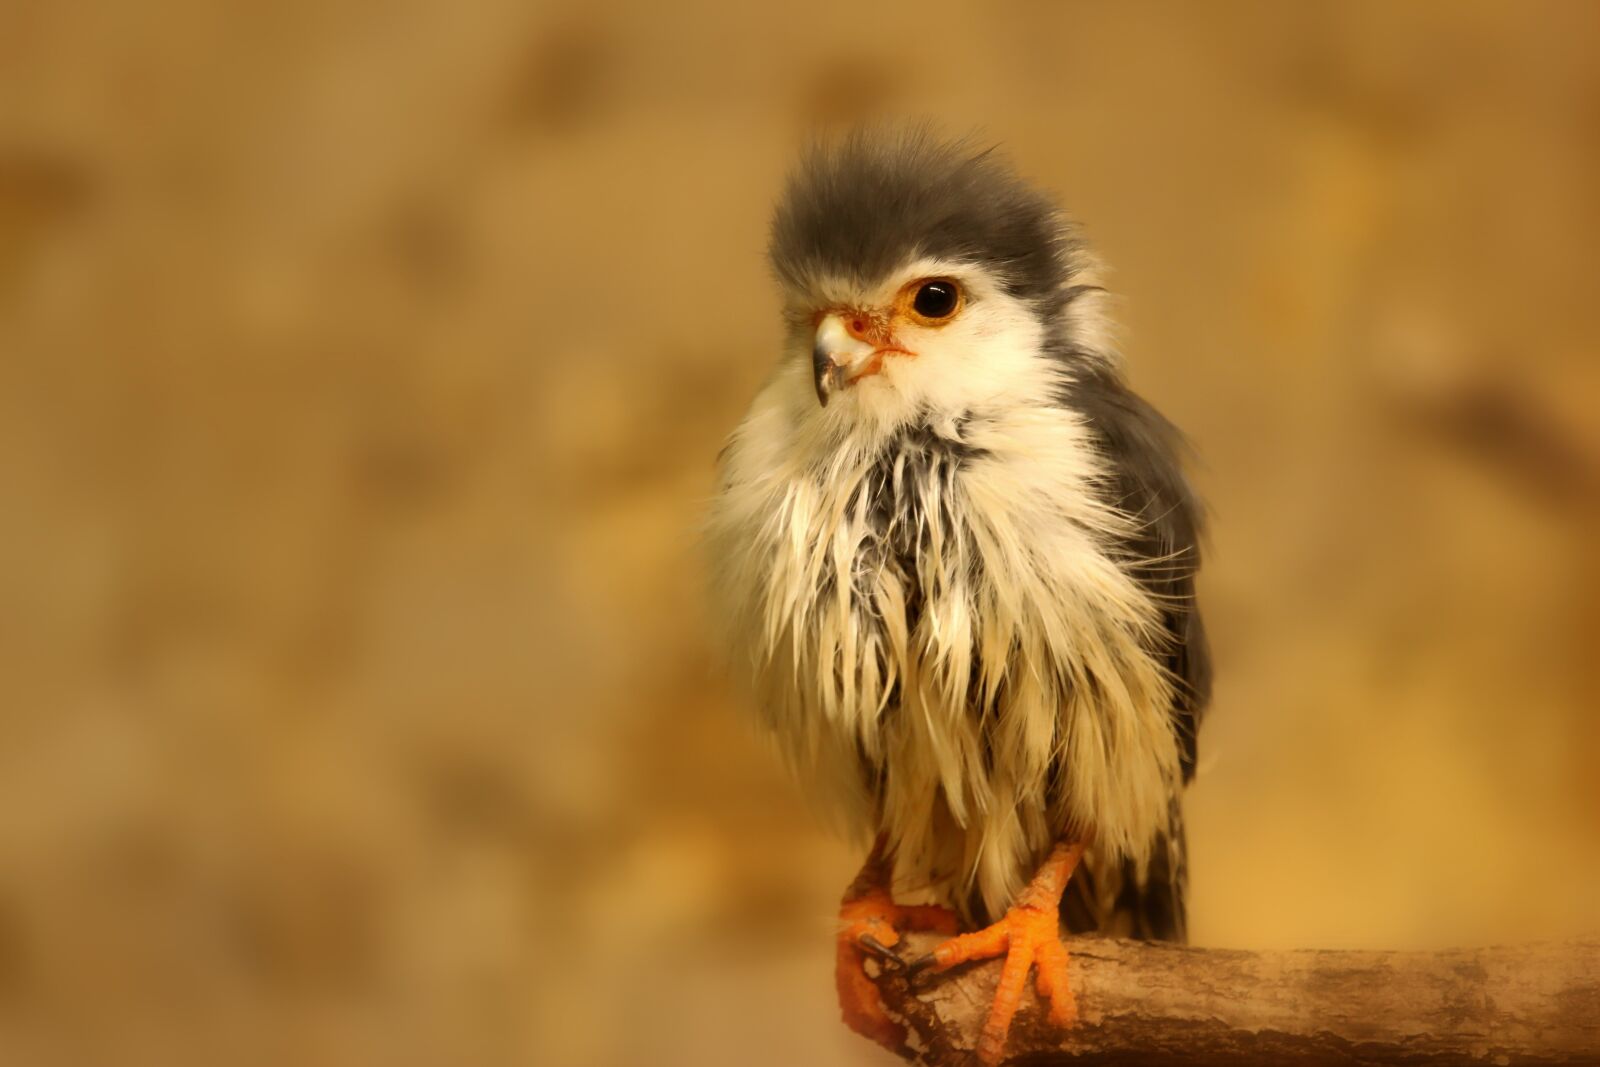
{"x": 955, "y": 556}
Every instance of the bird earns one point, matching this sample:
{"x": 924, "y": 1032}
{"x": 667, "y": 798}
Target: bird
{"x": 953, "y": 559}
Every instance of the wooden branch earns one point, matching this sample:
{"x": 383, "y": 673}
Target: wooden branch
{"x": 1144, "y": 1003}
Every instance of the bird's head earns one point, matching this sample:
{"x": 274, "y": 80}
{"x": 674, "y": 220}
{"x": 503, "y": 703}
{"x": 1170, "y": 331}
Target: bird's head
{"x": 920, "y": 277}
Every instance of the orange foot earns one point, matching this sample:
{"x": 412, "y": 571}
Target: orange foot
{"x": 869, "y": 925}
{"x": 1029, "y": 933}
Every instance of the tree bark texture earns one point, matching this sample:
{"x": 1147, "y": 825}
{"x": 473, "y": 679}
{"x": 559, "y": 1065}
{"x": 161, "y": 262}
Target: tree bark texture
{"x": 1141, "y": 1003}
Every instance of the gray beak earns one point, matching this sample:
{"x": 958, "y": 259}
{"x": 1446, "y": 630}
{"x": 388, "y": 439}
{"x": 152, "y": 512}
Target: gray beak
{"x": 826, "y": 372}
{"x": 834, "y": 354}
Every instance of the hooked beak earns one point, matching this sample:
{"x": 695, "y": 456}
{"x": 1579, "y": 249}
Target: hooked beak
{"x": 835, "y": 356}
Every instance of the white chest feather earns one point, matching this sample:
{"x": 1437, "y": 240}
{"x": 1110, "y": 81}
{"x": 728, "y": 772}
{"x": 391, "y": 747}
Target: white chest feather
{"x": 940, "y": 637}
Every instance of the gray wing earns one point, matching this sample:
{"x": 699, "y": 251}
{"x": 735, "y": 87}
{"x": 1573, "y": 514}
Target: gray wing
{"x": 1144, "y": 453}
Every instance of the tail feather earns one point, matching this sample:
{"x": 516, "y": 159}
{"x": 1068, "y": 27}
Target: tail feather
{"x": 1119, "y": 900}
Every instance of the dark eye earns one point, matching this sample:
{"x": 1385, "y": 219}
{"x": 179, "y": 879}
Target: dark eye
{"x": 936, "y": 300}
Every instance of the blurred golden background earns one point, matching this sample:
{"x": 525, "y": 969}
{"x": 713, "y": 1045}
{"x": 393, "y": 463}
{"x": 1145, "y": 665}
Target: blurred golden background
{"x": 362, "y": 366}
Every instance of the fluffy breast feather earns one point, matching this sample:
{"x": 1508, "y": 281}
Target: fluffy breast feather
{"x": 941, "y": 636}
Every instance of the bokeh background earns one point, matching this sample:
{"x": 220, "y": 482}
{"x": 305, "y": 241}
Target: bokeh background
{"x": 362, "y": 366}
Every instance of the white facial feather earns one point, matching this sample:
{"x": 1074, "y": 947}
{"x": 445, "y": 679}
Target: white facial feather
{"x": 1022, "y": 608}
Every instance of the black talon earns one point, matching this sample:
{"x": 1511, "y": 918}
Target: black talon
{"x": 919, "y": 970}
{"x": 888, "y": 956}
